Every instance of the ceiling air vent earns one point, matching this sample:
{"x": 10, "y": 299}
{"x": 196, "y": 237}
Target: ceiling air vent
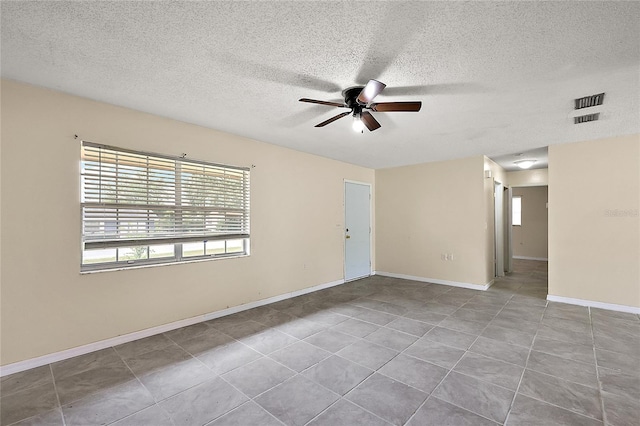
{"x": 586, "y": 118}
{"x": 589, "y": 101}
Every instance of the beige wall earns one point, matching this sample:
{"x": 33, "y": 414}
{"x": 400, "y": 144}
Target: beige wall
{"x": 530, "y": 238}
{"x": 536, "y": 177}
{"x": 594, "y": 229}
{"x": 426, "y": 210}
{"x": 297, "y": 218}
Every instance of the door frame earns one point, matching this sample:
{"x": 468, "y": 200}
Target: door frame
{"x": 508, "y": 266}
{"x": 344, "y": 227}
{"x": 498, "y": 229}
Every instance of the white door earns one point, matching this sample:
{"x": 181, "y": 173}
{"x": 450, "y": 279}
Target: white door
{"x": 357, "y": 216}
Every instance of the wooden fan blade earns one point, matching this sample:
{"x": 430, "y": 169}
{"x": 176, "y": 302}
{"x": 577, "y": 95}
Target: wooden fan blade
{"x": 315, "y": 101}
{"x": 332, "y": 119}
{"x": 370, "y": 91}
{"x": 396, "y": 106}
{"x": 368, "y": 120}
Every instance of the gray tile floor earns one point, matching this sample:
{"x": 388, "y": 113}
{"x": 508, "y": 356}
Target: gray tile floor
{"x": 376, "y": 351}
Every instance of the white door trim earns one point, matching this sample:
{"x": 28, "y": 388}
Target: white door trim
{"x": 498, "y": 228}
{"x": 509, "y": 230}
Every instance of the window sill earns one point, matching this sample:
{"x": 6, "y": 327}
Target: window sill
{"x": 155, "y": 265}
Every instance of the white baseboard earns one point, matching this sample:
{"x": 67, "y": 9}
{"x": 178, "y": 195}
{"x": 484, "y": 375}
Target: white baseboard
{"x": 16, "y": 367}
{"x": 436, "y": 281}
{"x": 542, "y": 259}
{"x": 594, "y": 304}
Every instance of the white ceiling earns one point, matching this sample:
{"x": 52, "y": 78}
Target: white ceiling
{"x": 495, "y": 78}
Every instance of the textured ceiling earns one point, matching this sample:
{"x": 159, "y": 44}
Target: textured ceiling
{"x": 495, "y": 78}
{"x": 508, "y": 161}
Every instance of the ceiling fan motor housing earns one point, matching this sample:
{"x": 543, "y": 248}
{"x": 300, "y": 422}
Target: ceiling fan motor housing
{"x": 350, "y": 95}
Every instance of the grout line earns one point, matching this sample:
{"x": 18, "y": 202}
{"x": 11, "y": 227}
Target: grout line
{"x": 376, "y": 371}
{"x": 145, "y": 388}
{"x": 343, "y": 397}
{"x": 362, "y": 339}
{"x": 285, "y": 381}
{"x": 250, "y": 401}
{"x": 525, "y": 365}
{"x": 157, "y": 402}
{"x": 595, "y": 357}
{"x": 55, "y": 388}
{"x": 560, "y": 407}
{"x": 457, "y": 406}
{"x": 524, "y": 370}
{"x": 249, "y": 398}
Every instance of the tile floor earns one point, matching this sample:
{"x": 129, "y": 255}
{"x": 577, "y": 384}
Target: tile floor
{"x": 376, "y": 351}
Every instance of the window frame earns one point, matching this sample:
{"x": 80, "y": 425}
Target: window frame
{"x": 240, "y": 215}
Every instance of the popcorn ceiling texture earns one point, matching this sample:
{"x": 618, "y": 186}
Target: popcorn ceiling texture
{"x": 495, "y": 78}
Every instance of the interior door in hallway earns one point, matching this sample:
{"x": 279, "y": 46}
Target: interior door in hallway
{"x": 357, "y": 247}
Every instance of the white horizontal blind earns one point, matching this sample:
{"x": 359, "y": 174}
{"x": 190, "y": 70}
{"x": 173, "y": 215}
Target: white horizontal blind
{"x": 134, "y": 198}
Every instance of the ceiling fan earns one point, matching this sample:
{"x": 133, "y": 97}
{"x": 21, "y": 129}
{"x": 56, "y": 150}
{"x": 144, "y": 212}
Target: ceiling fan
{"x": 359, "y": 99}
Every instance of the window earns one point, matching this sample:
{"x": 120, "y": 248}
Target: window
{"x": 516, "y": 210}
{"x": 140, "y": 208}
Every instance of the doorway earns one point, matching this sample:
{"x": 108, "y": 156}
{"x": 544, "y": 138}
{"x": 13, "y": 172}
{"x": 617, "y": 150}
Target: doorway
{"x": 531, "y": 228}
{"x": 357, "y": 242}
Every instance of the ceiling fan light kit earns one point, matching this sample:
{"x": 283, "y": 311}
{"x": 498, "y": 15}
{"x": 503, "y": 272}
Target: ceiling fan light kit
{"x": 358, "y": 125}
{"x": 359, "y": 99}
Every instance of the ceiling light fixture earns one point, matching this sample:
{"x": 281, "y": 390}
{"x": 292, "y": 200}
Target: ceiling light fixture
{"x": 358, "y": 125}
{"x": 524, "y": 164}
